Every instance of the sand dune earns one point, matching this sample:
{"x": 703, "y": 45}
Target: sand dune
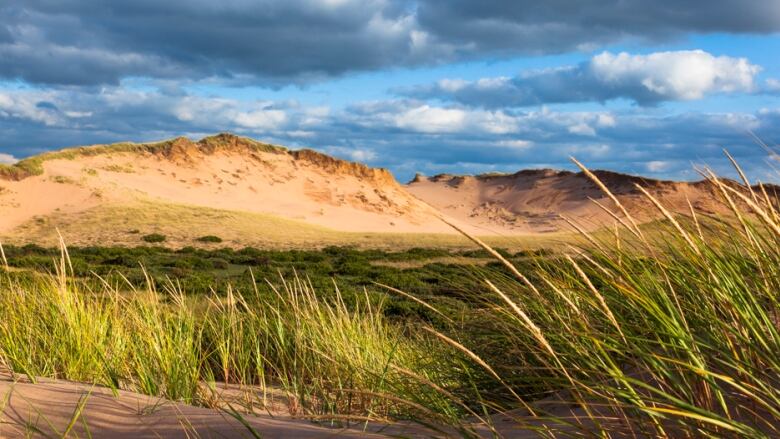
{"x": 533, "y": 201}
{"x": 222, "y": 172}
{"x": 48, "y": 407}
{"x": 227, "y": 173}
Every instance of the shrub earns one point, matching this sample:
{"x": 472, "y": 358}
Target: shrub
{"x": 154, "y": 238}
{"x": 220, "y": 264}
{"x": 209, "y": 239}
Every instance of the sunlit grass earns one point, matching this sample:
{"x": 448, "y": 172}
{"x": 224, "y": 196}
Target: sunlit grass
{"x": 327, "y": 358}
{"x": 664, "y": 331}
{"x": 671, "y": 335}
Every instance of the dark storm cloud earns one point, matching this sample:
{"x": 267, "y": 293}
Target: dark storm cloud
{"x": 278, "y": 42}
{"x": 563, "y": 25}
{"x": 92, "y": 41}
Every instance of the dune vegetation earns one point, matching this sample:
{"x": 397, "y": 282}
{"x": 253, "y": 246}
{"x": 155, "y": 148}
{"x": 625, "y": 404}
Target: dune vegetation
{"x": 674, "y": 333}
{"x": 34, "y": 165}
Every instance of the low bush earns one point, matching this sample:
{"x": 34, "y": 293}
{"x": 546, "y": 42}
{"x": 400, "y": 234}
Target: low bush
{"x": 153, "y": 238}
{"x": 209, "y": 239}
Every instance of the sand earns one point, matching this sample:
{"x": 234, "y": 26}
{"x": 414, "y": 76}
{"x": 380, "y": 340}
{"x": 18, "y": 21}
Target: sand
{"x": 47, "y": 408}
{"x": 227, "y": 174}
{"x": 272, "y": 183}
{"x": 51, "y": 408}
{"x": 534, "y": 201}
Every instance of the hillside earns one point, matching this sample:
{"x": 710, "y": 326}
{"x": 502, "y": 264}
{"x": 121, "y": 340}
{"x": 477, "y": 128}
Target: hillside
{"x": 533, "y": 201}
{"x": 251, "y": 193}
{"x": 228, "y": 175}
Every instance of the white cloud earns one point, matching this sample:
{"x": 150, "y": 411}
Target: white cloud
{"x": 606, "y": 120}
{"x": 261, "y": 119}
{"x": 355, "y": 154}
{"x": 492, "y": 83}
{"x": 78, "y": 114}
{"x": 432, "y": 120}
{"x": 773, "y": 84}
{"x": 26, "y": 105}
{"x": 363, "y": 155}
{"x": 515, "y": 144}
{"x": 657, "y": 165}
{"x": 7, "y": 159}
{"x": 452, "y": 85}
{"x": 427, "y": 119}
{"x": 647, "y": 79}
{"x": 582, "y": 129}
{"x": 682, "y": 75}
{"x": 591, "y": 151}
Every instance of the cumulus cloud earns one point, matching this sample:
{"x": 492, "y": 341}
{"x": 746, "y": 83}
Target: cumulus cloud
{"x": 657, "y": 165}
{"x": 645, "y": 79}
{"x": 682, "y": 75}
{"x": 403, "y": 135}
{"x": 279, "y": 42}
{"x": 7, "y": 159}
{"x": 20, "y": 106}
{"x": 355, "y": 153}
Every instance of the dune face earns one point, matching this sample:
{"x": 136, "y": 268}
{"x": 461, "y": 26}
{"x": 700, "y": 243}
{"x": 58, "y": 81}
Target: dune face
{"x": 99, "y": 194}
{"x": 222, "y": 172}
{"x": 533, "y": 201}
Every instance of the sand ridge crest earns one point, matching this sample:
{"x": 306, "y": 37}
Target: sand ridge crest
{"x": 229, "y": 173}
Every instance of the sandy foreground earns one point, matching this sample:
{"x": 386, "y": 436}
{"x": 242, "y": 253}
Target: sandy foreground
{"x": 48, "y": 408}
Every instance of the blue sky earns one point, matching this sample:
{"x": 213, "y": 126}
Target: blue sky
{"x": 425, "y": 86}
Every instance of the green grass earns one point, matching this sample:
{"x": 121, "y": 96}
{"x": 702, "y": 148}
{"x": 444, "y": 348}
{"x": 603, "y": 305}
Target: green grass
{"x": 153, "y": 238}
{"x": 209, "y": 239}
{"x": 182, "y": 224}
{"x": 675, "y": 336}
{"x": 439, "y": 276}
{"x": 34, "y": 165}
{"x": 670, "y": 330}
{"x": 328, "y": 358}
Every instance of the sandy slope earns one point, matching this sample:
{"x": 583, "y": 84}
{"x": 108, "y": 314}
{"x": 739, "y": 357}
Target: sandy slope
{"x": 47, "y": 408}
{"x": 227, "y": 173}
{"x": 301, "y": 185}
{"x": 533, "y": 201}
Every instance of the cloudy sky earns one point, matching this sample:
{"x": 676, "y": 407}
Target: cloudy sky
{"x": 651, "y": 88}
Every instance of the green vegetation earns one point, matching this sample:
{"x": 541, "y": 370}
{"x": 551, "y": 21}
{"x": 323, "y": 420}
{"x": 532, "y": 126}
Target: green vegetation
{"x": 34, "y": 165}
{"x": 674, "y": 333}
{"x": 200, "y": 271}
{"x": 153, "y": 238}
{"x": 182, "y": 224}
{"x": 61, "y": 179}
{"x": 328, "y": 359}
{"x": 127, "y": 169}
{"x": 210, "y": 239}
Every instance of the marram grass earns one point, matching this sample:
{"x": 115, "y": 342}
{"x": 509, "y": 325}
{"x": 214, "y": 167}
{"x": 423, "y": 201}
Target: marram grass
{"x": 328, "y": 360}
{"x": 674, "y": 333}
{"x": 677, "y": 335}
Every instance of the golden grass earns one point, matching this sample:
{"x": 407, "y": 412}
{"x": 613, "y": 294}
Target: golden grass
{"x": 183, "y": 224}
